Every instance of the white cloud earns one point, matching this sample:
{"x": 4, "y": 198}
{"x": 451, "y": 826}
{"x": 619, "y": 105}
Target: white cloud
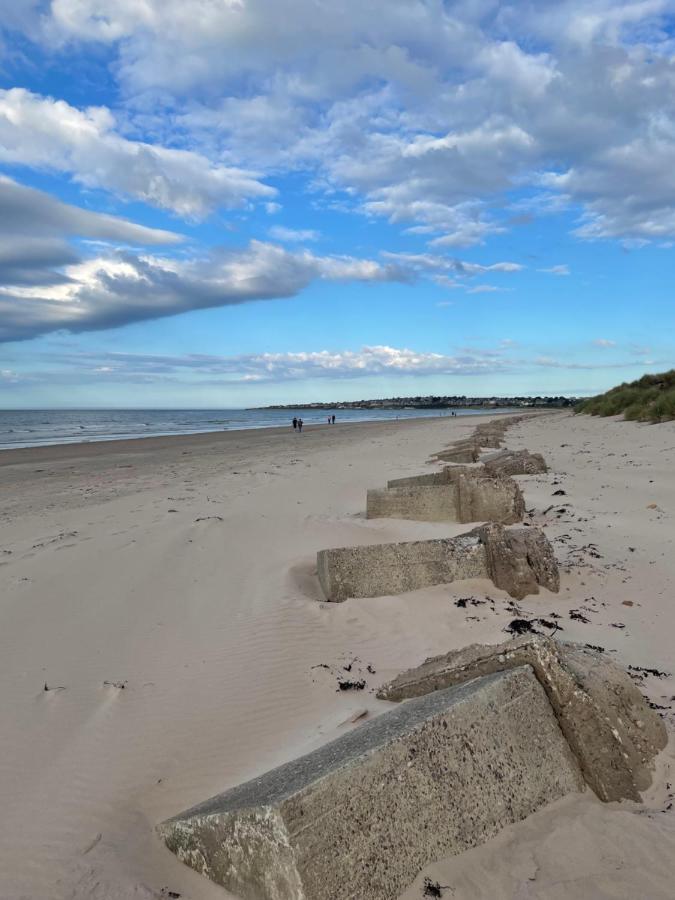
{"x": 50, "y": 134}
{"x": 432, "y": 262}
{"x": 563, "y": 269}
{"x": 288, "y": 366}
{"x": 108, "y": 291}
{"x": 603, "y": 342}
{"x": 292, "y": 235}
{"x": 429, "y": 114}
{"x": 483, "y": 289}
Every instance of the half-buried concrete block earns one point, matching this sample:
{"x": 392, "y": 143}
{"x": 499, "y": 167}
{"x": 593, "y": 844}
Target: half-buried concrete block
{"x": 515, "y": 462}
{"x": 458, "y": 494}
{"x": 423, "y": 503}
{"x": 361, "y": 816}
{"x": 519, "y": 560}
{"x": 378, "y": 569}
{"x": 482, "y": 497}
{"x": 466, "y": 451}
{"x": 516, "y": 560}
{"x": 607, "y": 722}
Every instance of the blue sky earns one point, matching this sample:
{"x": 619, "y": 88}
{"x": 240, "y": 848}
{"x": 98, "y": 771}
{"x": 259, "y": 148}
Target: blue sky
{"x": 235, "y": 202}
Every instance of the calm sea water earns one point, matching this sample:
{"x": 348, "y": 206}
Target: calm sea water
{"x": 34, "y": 427}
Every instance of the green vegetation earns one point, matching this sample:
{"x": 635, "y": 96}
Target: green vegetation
{"x": 649, "y": 399}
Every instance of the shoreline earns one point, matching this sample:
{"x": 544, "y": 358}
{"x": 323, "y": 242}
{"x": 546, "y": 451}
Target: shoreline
{"x": 78, "y": 449}
{"x": 284, "y": 423}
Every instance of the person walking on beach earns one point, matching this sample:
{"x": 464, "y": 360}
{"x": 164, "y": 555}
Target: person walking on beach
{"x": 333, "y": 418}
{"x": 300, "y": 424}
{"x": 295, "y": 423}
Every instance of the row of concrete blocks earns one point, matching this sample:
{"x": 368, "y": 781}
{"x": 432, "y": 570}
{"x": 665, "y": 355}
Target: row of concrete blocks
{"x": 490, "y": 735}
{"x": 485, "y": 435}
{"x": 457, "y": 494}
{"x": 517, "y": 560}
{"x": 262, "y": 840}
{"x": 484, "y": 493}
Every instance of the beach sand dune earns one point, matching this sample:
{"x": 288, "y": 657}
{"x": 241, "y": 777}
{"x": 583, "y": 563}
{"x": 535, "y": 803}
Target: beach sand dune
{"x": 161, "y": 638}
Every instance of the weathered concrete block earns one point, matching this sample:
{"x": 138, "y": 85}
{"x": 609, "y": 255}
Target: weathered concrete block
{"x": 461, "y": 452}
{"x": 435, "y": 503}
{"x": 361, "y": 816}
{"x": 458, "y": 494}
{"x": 378, "y": 569}
{"x": 486, "y": 498}
{"x": 515, "y": 462}
{"x": 606, "y": 720}
{"x": 428, "y": 479}
{"x": 517, "y": 560}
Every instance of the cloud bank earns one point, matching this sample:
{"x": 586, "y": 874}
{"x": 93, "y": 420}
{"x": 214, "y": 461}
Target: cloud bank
{"x": 123, "y": 286}
{"x": 429, "y": 114}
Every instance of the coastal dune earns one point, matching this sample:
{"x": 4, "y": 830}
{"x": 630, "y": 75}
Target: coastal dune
{"x": 162, "y": 638}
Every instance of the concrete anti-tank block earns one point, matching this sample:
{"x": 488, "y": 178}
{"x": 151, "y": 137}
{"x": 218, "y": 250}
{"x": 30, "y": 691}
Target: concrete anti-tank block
{"x": 487, "y": 498}
{"x": 516, "y": 560}
{"x": 459, "y": 494}
{"x": 378, "y": 569}
{"x": 515, "y": 462}
{"x": 607, "y": 722}
{"x": 361, "y": 816}
{"x": 447, "y": 475}
{"x": 424, "y": 503}
{"x": 461, "y": 452}
{"x": 519, "y": 559}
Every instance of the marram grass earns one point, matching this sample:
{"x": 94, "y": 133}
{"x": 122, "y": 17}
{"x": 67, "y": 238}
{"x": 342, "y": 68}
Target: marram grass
{"x": 649, "y": 399}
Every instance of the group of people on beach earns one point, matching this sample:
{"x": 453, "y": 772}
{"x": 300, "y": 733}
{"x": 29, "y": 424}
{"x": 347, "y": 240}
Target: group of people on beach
{"x": 298, "y": 423}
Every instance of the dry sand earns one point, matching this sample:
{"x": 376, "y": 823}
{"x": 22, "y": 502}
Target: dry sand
{"x": 181, "y": 568}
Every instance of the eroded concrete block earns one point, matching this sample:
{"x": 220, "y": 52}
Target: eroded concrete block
{"x": 516, "y": 560}
{"x": 519, "y": 559}
{"x": 378, "y": 569}
{"x": 361, "y": 816}
{"x": 424, "y": 503}
{"x": 482, "y": 497}
{"x": 607, "y": 722}
{"x": 515, "y": 462}
{"x": 458, "y": 494}
{"x": 460, "y": 452}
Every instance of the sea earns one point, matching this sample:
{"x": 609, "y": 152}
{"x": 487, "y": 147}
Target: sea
{"x": 38, "y": 427}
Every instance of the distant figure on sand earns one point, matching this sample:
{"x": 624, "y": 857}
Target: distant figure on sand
{"x": 295, "y": 422}
{"x": 333, "y": 418}
{"x": 299, "y": 424}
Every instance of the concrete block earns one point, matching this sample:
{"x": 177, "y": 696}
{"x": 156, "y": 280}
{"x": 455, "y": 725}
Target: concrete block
{"x": 461, "y": 452}
{"x": 361, "y": 816}
{"x": 378, "y": 569}
{"x": 458, "y": 494}
{"x": 607, "y": 722}
{"x": 434, "y": 503}
{"x": 485, "y": 498}
{"x": 517, "y": 560}
{"x": 515, "y": 462}
{"x": 445, "y": 476}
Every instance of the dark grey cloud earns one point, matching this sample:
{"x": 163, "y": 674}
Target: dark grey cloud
{"x": 34, "y": 260}
{"x": 27, "y": 211}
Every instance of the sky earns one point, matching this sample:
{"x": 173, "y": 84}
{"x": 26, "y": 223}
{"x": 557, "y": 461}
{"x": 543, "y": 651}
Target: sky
{"x": 223, "y": 203}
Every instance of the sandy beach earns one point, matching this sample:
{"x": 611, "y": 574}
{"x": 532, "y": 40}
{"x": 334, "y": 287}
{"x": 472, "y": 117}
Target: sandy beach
{"x": 163, "y": 639}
